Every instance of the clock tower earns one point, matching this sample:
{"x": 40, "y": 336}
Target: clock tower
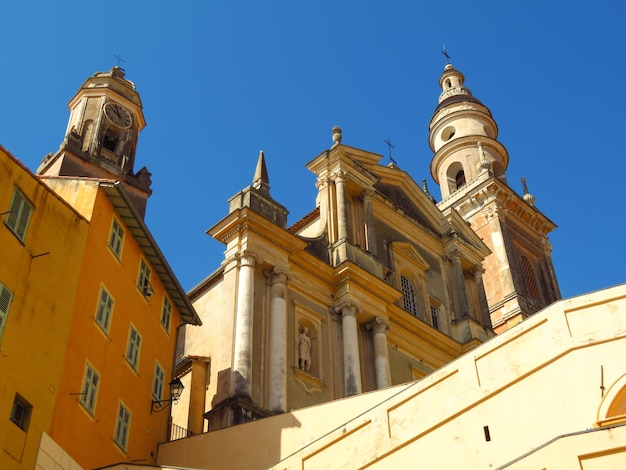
{"x": 469, "y": 164}
{"x": 101, "y": 137}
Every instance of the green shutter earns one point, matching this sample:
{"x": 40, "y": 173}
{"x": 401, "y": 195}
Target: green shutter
{"x": 5, "y": 302}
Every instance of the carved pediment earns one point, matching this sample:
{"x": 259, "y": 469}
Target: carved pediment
{"x": 407, "y": 251}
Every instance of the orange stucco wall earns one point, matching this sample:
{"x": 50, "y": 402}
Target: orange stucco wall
{"x": 42, "y": 274}
{"x": 106, "y": 352}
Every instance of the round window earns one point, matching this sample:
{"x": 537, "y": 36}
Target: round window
{"x": 447, "y": 133}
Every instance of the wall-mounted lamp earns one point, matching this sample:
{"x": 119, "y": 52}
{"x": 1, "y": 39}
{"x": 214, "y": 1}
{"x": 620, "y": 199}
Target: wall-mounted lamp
{"x": 176, "y": 390}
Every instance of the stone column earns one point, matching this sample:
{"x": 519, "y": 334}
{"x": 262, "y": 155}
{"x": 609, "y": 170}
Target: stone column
{"x": 370, "y": 232}
{"x": 460, "y": 282}
{"x": 379, "y": 329}
{"x": 339, "y": 177}
{"x": 277, "y": 400}
{"x": 242, "y": 360}
{"x": 482, "y": 297}
{"x": 197, "y": 396}
{"x": 351, "y": 360}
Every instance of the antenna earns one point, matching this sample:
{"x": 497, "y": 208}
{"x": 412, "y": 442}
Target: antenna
{"x": 445, "y": 53}
{"x": 388, "y": 142}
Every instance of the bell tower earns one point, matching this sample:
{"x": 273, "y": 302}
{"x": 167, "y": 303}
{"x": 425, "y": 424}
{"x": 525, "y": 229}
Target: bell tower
{"x": 106, "y": 118}
{"x": 469, "y": 164}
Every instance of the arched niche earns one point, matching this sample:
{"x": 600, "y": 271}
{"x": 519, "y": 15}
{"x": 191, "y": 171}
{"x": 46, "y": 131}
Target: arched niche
{"x": 612, "y": 408}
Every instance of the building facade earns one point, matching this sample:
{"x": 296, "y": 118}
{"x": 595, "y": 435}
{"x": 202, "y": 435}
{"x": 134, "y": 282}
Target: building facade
{"x": 90, "y": 306}
{"x": 549, "y": 393}
{"x": 39, "y": 275}
{"x": 469, "y": 164}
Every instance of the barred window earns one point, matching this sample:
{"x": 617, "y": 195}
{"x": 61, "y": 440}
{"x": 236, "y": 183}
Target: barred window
{"x": 434, "y": 316}
{"x": 408, "y": 290}
{"x": 530, "y": 279}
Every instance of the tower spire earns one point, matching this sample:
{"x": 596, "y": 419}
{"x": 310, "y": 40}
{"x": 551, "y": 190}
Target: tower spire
{"x": 261, "y": 180}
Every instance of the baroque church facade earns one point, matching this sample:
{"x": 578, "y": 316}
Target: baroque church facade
{"x": 378, "y": 285}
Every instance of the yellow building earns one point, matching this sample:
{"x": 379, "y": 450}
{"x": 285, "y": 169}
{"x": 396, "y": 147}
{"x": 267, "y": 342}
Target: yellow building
{"x": 90, "y": 305}
{"x": 42, "y": 240}
{"x": 376, "y": 286}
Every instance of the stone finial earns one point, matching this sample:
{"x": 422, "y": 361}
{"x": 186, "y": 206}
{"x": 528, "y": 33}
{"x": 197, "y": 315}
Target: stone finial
{"x": 261, "y": 180}
{"x": 337, "y": 135}
{"x": 529, "y": 198}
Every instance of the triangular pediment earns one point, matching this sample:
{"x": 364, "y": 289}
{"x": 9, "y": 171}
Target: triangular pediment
{"x": 408, "y": 252}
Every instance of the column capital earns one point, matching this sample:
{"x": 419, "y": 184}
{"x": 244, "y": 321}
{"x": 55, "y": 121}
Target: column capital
{"x": 247, "y": 258}
{"x": 322, "y": 182}
{"x": 455, "y": 256}
{"x": 379, "y": 325}
{"x": 369, "y": 194}
{"x": 346, "y": 308}
{"x": 478, "y": 271}
{"x": 339, "y": 176}
{"x": 276, "y": 275}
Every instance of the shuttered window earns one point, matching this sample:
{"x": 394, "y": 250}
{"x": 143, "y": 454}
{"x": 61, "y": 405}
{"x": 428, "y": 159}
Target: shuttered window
{"x": 143, "y": 280}
{"x": 122, "y": 427}
{"x": 105, "y": 309}
{"x": 158, "y": 383}
{"x": 90, "y": 389}
{"x": 5, "y": 302}
{"x": 19, "y": 215}
{"x": 134, "y": 343}
{"x": 166, "y": 313}
{"x": 116, "y": 239}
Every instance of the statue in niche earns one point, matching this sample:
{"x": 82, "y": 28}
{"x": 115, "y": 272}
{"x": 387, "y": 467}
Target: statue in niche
{"x": 304, "y": 350}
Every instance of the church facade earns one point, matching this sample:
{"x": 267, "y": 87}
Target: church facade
{"x": 378, "y": 285}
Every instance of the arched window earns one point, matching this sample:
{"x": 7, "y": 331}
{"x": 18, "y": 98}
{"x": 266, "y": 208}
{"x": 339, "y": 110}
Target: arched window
{"x": 530, "y": 279}
{"x": 110, "y": 140}
{"x": 408, "y": 290}
{"x": 460, "y": 179}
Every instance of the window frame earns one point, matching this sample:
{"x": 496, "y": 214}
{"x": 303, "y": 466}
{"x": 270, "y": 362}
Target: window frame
{"x": 143, "y": 279}
{"x": 23, "y": 420}
{"x": 104, "y": 325}
{"x": 133, "y": 348}
{"x": 158, "y": 382}
{"x": 408, "y": 289}
{"x": 434, "y": 317}
{"x": 122, "y": 427}
{"x": 6, "y": 297}
{"x": 17, "y": 220}
{"x": 89, "y": 395}
{"x": 165, "y": 312}
{"x": 116, "y": 239}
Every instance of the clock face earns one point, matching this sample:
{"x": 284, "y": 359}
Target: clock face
{"x": 118, "y": 114}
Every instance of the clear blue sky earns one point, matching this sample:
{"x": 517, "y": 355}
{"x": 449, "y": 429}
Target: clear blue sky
{"x": 220, "y": 80}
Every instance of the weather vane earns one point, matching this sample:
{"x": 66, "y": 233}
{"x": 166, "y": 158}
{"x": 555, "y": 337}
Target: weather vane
{"x": 445, "y": 53}
{"x": 119, "y": 59}
{"x": 390, "y": 145}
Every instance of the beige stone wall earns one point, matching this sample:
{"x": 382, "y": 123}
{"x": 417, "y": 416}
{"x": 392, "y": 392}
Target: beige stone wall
{"x": 491, "y": 407}
{"x": 52, "y": 457}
